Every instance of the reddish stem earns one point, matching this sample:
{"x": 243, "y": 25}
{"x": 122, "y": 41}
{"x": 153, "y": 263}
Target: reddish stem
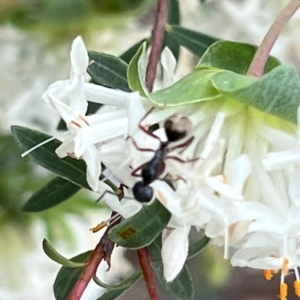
{"x": 145, "y": 264}
{"x": 88, "y": 273}
{"x": 158, "y": 35}
{"x": 102, "y": 251}
{"x": 261, "y": 56}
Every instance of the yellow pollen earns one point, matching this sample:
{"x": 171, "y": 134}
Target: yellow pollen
{"x": 162, "y": 198}
{"x": 283, "y": 291}
{"x": 285, "y": 266}
{"x": 99, "y": 227}
{"x": 268, "y": 274}
{"x": 297, "y": 287}
{"x": 225, "y": 178}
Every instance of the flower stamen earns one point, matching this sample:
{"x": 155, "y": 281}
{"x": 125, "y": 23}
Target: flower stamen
{"x": 77, "y": 124}
{"x": 268, "y": 274}
{"x": 297, "y": 283}
{"x": 285, "y": 266}
{"x": 106, "y": 223}
{"x": 37, "y": 146}
{"x": 283, "y": 291}
{"x": 84, "y": 119}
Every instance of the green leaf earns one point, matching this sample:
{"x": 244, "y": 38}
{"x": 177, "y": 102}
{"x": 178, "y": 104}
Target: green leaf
{"x": 276, "y": 93}
{"x": 198, "y": 247}
{"x": 108, "y": 70}
{"x": 56, "y": 191}
{"x": 173, "y": 18}
{"x": 125, "y": 284}
{"x": 194, "y": 41}
{"x": 155, "y": 249}
{"x": 55, "y": 256}
{"x": 68, "y": 168}
{"x": 193, "y": 88}
{"x": 141, "y": 229}
{"x": 174, "y": 13}
{"x": 67, "y": 278}
{"x": 137, "y": 71}
{"x": 182, "y": 287}
{"x": 172, "y": 44}
{"x": 233, "y": 56}
{"x": 131, "y": 52}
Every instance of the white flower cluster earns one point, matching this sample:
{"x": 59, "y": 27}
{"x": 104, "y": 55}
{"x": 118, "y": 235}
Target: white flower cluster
{"x": 237, "y": 189}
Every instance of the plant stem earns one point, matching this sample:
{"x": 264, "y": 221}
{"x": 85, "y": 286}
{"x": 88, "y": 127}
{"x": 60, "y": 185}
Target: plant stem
{"x": 158, "y": 35}
{"x": 102, "y": 251}
{"x": 145, "y": 264}
{"x": 261, "y": 56}
{"x": 88, "y": 273}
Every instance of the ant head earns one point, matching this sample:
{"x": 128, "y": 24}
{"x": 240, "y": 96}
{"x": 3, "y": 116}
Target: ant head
{"x": 141, "y": 192}
{"x": 177, "y": 127}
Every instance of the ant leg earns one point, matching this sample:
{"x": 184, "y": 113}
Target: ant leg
{"x": 133, "y": 173}
{"x": 107, "y": 192}
{"x": 145, "y": 130}
{"x": 137, "y": 147}
{"x": 183, "y": 145}
{"x": 182, "y": 160}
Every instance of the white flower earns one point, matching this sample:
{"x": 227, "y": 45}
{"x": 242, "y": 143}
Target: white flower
{"x": 71, "y": 90}
{"x": 86, "y": 133}
{"x": 174, "y": 251}
{"x": 279, "y": 159}
{"x": 229, "y": 211}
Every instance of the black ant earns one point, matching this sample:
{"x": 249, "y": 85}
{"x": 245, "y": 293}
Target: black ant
{"x": 176, "y": 127}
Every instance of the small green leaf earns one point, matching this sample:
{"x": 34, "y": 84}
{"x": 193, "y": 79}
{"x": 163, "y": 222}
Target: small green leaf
{"x": 137, "y": 71}
{"x": 276, "y": 93}
{"x": 55, "y": 256}
{"x": 67, "y": 278}
{"x": 198, "y": 247}
{"x": 131, "y": 52}
{"x": 108, "y": 70}
{"x": 182, "y": 287}
{"x": 125, "y": 284}
{"x": 68, "y": 168}
{"x": 194, "y": 41}
{"x": 233, "y": 56}
{"x": 193, "y": 88}
{"x": 56, "y": 191}
{"x": 141, "y": 229}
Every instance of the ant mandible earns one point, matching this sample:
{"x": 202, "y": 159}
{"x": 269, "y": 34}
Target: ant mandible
{"x": 176, "y": 128}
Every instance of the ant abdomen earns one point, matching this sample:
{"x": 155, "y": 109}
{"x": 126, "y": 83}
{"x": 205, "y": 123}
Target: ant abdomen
{"x": 177, "y": 127}
{"x": 141, "y": 192}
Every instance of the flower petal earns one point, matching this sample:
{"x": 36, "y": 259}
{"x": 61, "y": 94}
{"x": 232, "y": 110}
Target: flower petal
{"x": 93, "y": 162}
{"x": 174, "y": 251}
{"x": 79, "y": 57}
